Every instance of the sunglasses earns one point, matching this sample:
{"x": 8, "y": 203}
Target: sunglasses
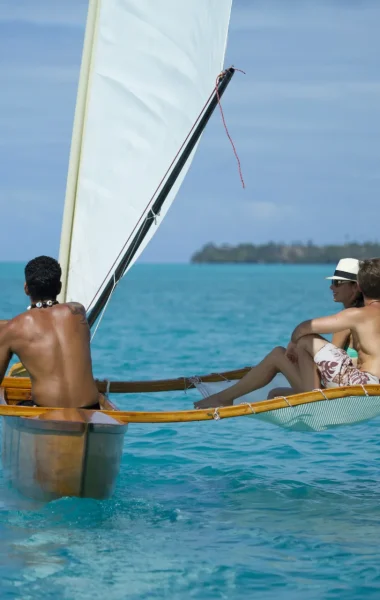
{"x": 339, "y": 282}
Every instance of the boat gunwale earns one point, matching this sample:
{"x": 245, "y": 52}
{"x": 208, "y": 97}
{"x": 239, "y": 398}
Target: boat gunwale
{"x": 48, "y": 425}
{"x": 79, "y": 425}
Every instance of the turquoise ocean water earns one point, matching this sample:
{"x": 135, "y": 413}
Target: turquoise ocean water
{"x": 218, "y": 510}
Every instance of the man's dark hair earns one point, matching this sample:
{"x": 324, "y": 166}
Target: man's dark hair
{"x": 369, "y": 278}
{"x": 43, "y": 278}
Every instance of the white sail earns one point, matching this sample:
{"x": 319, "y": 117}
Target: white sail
{"x": 148, "y": 68}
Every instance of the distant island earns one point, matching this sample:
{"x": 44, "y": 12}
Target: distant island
{"x": 296, "y": 253}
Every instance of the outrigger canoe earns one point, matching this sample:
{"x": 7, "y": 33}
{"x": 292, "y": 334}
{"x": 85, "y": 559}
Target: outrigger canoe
{"x": 49, "y": 453}
{"x": 145, "y": 96}
{"x": 66, "y": 452}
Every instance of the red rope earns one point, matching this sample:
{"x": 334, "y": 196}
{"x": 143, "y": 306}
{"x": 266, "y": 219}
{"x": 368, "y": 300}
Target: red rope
{"x": 226, "y": 128}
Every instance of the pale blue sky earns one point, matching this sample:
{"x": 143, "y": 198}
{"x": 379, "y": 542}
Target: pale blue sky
{"x": 305, "y": 120}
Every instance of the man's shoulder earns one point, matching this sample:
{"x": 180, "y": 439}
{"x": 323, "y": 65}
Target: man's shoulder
{"x": 359, "y": 315}
{"x": 17, "y": 320}
{"x": 369, "y": 312}
{"x": 76, "y": 308}
{"x": 12, "y": 326}
{"x": 351, "y": 312}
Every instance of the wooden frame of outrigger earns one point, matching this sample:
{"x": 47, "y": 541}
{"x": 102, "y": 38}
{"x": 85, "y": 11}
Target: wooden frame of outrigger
{"x": 53, "y": 452}
{"x": 19, "y": 388}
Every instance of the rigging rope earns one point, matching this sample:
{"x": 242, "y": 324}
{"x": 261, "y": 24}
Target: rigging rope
{"x": 104, "y": 309}
{"x": 225, "y": 125}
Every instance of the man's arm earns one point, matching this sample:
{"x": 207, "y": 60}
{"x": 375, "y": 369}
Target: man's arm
{"x": 346, "y": 319}
{"x": 78, "y": 309}
{"x": 5, "y": 352}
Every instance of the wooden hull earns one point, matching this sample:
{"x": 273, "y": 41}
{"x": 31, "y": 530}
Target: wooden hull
{"x": 69, "y": 452}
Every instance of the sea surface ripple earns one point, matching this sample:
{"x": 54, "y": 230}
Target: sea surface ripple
{"x": 215, "y": 510}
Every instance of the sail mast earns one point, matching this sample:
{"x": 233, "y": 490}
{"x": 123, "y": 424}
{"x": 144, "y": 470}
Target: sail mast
{"x": 133, "y": 246}
{"x": 76, "y": 144}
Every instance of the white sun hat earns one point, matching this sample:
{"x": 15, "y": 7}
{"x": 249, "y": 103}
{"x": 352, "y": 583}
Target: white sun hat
{"x": 346, "y": 270}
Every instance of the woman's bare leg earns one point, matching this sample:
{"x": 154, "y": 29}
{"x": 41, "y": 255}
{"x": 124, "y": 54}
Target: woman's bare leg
{"x": 308, "y": 369}
{"x": 259, "y": 376}
{"x": 307, "y": 347}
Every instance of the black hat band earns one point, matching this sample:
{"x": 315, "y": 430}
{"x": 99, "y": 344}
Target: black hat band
{"x": 346, "y": 275}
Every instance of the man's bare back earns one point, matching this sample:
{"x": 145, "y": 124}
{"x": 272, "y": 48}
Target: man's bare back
{"x": 53, "y": 344}
{"x": 366, "y": 336}
{"x": 364, "y": 324}
{"x": 52, "y": 341}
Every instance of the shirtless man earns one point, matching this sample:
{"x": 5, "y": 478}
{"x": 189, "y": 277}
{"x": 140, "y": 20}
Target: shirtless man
{"x": 310, "y": 360}
{"x": 52, "y": 341}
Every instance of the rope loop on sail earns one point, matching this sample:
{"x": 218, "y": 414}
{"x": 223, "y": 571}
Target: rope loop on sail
{"x": 154, "y": 216}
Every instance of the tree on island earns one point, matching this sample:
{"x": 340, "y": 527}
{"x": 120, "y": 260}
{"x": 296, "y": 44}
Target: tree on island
{"x": 295, "y": 253}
